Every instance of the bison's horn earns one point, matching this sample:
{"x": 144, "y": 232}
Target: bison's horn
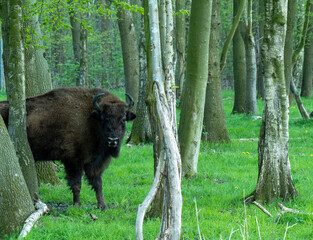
{"x": 131, "y": 101}
{"x": 94, "y": 101}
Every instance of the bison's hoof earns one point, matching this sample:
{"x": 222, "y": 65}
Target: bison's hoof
{"x": 103, "y": 207}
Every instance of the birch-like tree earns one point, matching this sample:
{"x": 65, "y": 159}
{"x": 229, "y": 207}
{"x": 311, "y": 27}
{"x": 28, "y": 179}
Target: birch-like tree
{"x": 274, "y": 179}
{"x": 193, "y": 97}
{"x": 169, "y": 162}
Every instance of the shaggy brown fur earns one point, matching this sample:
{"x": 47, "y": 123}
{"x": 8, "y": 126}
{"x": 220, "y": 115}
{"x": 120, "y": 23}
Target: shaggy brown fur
{"x": 63, "y": 124}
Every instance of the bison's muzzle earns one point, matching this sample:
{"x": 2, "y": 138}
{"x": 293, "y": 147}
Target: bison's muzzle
{"x": 113, "y": 142}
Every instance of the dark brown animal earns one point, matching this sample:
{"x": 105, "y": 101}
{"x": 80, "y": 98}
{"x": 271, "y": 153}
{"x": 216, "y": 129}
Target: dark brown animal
{"x": 81, "y": 127}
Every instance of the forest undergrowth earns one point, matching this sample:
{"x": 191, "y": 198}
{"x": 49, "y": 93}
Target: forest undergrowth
{"x": 212, "y": 200}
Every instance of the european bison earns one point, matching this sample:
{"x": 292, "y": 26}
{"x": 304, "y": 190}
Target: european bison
{"x": 81, "y": 127}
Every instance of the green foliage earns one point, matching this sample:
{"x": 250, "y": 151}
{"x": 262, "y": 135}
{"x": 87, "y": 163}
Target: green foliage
{"x": 3, "y": 95}
{"x": 226, "y": 173}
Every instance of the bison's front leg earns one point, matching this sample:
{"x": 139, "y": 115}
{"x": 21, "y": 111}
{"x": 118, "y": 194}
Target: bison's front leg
{"x": 94, "y": 178}
{"x": 73, "y": 177}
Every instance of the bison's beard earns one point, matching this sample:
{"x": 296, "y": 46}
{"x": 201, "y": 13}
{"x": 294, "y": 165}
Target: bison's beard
{"x": 114, "y": 152}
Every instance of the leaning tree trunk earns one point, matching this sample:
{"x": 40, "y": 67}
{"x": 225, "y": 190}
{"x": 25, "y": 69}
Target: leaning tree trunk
{"x": 169, "y": 158}
{"x": 214, "y": 117}
{"x": 274, "y": 180}
{"x": 130, "y": 52}
{"x": 38, "y": 81}
{"x": 16, "y": 203}
{"x": 193, "y": 98}
{"x": 306, "y": 88}
{"x": 14, "y": 69}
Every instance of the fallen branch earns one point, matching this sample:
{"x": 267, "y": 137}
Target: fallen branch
{"x": 262, "y": 208}
{"x": 41, "y": 208}
{"x": 287, "y": 227}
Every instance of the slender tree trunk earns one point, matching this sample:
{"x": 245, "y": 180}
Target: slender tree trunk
{"x": 130, "y": 52}
{"x": 288, "y": 49}
{"x": 181, "y": 46}
{"x": 306, "y": 88}
{"x": 193, "y": 99}
{"x": 251, "y": 66}
{"x": 169, "y": 158}
{"x": 16, "y": 203}
{"x": 274, "y": 180}
{"x": 214, "y": 117}
{"x": 76, "y": 27}
{"x": 83, "y": 62}
{"x": 239, "y": 64}
{"x": 14, "y": 67}
{"x": 141, "y": 130}
{"x": 260, "y": 83}
{"x": 38, "y": 81}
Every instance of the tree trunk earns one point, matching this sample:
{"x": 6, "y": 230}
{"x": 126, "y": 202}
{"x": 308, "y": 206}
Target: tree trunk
{"x": 260, "y": 34}
{"x": 38, "y": 81}
{"x": 14, "y": 67}
{"x": 16, "y": 203}
{"x": 193, "y": 99}
{"x": 239, "y": 64}
{"x": 169, "y": 158}
{"x": 306, "y": 88}
{"x": 288, "y": 49}
{"x": 214, "y": 117}
{"x": 251, "y": 67}
{"x": 141, "y": 130}
{"x": 181, "y": 46}
{"x": 274, "y": 180}
{"x": 130, "y": 52}
{"x": 83, "y": 62}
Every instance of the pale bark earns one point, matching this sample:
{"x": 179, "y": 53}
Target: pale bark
{"x": 214, "y": 117}
{"x": 130, "y": 52}
{"x": 274, "y": 179}
{"x": 16, "y": 203}
{"x": 193, "y": 98}
{"x": 260, "y": 34}
{"x": 239, "y": 62}
{"x": 251, "y": 67}
{"x": 14, "y": 67}
{"x": 166, "y": 128}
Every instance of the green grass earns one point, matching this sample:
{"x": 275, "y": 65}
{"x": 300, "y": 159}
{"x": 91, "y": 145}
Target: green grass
{"x": 3, "y": 96}
{"x": 226, "y": 172}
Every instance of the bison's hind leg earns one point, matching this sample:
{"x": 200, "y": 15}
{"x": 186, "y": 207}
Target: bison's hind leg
{"x": 74, "y": 178}
{"x": 93, "y": 175}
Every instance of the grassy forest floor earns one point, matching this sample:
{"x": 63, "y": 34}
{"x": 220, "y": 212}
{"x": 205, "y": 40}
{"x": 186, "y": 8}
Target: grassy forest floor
{"x": 226, "y": 172}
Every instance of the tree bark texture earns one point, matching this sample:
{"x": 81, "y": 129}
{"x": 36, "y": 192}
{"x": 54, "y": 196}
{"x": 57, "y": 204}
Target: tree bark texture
{"x": 214, "y": 117}
{"x": 260, "y": 34}
{"x": 180, "y": 46}
{"x": 239, "y": 64}
{"x": 14, "y": 67}
{"x": 193, "y": 99}
{"x": 306, "y": 87}
{"x": 83, "y": 61}
{"x": 274, "y": 180}
{"x": 130, "y": 52}
{"x": 251, "y": 66}
{"x": 141, "y": 130}
{"x": 168, "y": 154}
{"x": 38, "y": 81}
{"x": 16, "y": 203}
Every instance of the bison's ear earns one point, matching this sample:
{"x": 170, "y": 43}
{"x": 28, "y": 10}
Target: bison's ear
{"x": 95, "y": 114}
{"x": 130, "y": 116}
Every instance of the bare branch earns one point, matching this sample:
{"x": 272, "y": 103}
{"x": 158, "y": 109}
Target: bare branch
{"x": 262, "y": 208}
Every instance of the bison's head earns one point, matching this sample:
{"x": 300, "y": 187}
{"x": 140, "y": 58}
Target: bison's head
{"x": 112, "y": 114}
